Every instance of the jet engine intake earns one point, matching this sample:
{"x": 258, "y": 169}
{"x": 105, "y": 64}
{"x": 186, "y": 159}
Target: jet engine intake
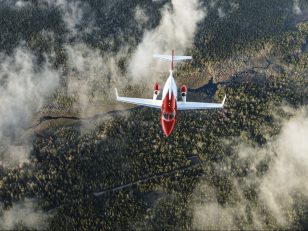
{"x": 184, "y": 92}
{"x": 156, "y": 90}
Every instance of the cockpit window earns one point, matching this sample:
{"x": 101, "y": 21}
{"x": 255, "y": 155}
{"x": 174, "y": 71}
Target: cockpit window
{"x": 167, "y": 116}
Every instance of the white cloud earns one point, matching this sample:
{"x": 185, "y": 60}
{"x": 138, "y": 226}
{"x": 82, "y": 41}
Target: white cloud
{"x": 213, "y": 3}
{"x": 20, "y": 4}
{"x": 176, "y": 30}
{"x": 25, "y": 213}
{"x": 140, "y": 16}
{"x": 93, "y": 74}
{"x": 221, "y": 12}
{"x": 23, "y": 89}
{"x": 73, "y": 13}
{"x": 234, "y": 6}
{"x": 12, "y": 154}
{"x": 296, "y": 9}
{"x": 286, "y": 179}
{"x": 289, "y": 171}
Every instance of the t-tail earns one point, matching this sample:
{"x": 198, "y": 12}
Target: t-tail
{"x": 172, "y": 58}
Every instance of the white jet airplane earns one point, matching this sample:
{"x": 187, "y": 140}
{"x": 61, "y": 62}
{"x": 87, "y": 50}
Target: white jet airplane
{"x": 169, "y": 104}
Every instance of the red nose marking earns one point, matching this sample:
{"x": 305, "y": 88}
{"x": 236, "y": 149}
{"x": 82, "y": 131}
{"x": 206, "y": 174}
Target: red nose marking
{"x": 168, "y": 115}
{"x": 168, "y": 126}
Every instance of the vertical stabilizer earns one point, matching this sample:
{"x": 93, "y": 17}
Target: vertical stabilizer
{"x": 172, "y": 60}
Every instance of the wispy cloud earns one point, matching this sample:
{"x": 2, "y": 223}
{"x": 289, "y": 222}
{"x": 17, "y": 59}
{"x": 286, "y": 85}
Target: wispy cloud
{"x": 275, "y": 204}
{"x": 221, "y": 12}
{"x": 93, "y": 74}
{"x": 176, "y": 30}
{"x": 296, "y": 8}
{"x": 25, "y": 214}
{"x": 23, "y": 88}
{"x": 74, "y": 15}
{"x": 20, "y": 4}
{"x": 140, "y": 16}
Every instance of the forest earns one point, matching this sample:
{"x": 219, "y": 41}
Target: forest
{"x": 255, "y": 52}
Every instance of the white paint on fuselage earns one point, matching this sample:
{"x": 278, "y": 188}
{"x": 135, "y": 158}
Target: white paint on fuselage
{"x": 170, "y": 86}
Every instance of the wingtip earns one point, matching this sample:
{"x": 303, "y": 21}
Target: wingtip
{"x": 116, "y": 91}
{"x": 223, "y": 101}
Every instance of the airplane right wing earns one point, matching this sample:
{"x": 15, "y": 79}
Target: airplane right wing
{"x": 198, "y": 105}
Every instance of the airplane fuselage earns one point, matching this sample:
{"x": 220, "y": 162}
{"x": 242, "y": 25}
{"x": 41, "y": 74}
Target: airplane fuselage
{"x": 169, "y": 105}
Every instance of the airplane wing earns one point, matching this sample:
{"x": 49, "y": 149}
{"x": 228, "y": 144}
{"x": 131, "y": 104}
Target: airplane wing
{"x": 138, "y": 101}
{"x": 197, "y": 105}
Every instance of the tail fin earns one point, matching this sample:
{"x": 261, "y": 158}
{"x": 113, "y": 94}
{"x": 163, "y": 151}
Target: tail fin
{"x": 172, "y": 58}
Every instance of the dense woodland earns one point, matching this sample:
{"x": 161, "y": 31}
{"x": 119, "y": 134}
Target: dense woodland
{"x": 70, "y": 163}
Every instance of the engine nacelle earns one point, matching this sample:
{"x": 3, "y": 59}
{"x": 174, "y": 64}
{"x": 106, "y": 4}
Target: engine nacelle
{"x": 184, "y": 92}
{"x": 156, "y": 90}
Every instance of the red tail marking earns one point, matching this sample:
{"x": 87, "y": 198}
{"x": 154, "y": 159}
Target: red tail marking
{"x": 172, "y": 60}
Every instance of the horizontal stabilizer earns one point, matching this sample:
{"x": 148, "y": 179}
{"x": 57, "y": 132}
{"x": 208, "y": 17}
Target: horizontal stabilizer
{"x": 172, "y": 58}
{"x": 175, "y": 58}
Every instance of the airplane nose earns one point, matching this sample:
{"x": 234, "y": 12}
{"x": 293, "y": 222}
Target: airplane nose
{"x": 167, "y": 132}
{"x": 168, "y": 126}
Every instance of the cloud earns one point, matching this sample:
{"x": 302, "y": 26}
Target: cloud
{"x": 213, "y": 3}
{"x": 93, "y": 74}
{"x": 276, "y": 203}
{"x": 72, "y": 13}
{"x": 76, "y": 15}
{"x": 296, "y": 9}
{"x": 289, "y": 171}
{"x": 140, "y": 16}
{"x": 20, "y": 4}
{"x": 26, "y": 214}
{"x": 226, "y": 11}
{"x": 221, "y": 12}
{"x": 23, "y": 88}
{"x": 176, "y": 30}
{"x": 12, "y": 154}
{"x": 234, "y": 6}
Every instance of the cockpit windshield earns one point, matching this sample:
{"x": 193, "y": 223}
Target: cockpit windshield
{"x": 168, "y": 116}
{"x": 165, "y": 116}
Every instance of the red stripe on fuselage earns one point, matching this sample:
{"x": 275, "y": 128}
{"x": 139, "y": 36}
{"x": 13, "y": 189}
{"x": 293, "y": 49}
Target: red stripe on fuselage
{"x": 168, "y": 106}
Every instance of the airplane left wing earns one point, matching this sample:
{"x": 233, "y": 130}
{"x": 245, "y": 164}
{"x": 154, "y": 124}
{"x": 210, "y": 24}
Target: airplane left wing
{"x": 139, "y": 101}
{"x": 197, "y": 105}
